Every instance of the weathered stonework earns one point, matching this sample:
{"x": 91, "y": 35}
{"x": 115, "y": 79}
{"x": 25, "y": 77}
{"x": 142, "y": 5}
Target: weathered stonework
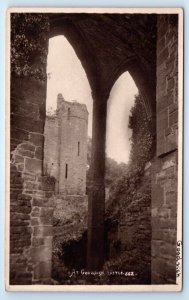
{"x": 66, "y": 147}
{"x": 151, "y": 58}
{"x": 167, "y": 84}
{"x": 31, "y": 205}
{"x": 52, "y": 147}
{"x": 164, "y": 219}
{"x": 164, "y": 167}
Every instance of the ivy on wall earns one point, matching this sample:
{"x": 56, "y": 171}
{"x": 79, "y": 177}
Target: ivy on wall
{"x": 123, "y": 189}
{"x": 29, "y": 38}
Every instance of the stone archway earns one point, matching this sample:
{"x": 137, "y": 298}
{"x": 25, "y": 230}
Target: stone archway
{"x": 76, "y": 29}
{"x": 124, "y": 42}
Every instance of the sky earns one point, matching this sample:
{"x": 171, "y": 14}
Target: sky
{"x": 67, "y": 76}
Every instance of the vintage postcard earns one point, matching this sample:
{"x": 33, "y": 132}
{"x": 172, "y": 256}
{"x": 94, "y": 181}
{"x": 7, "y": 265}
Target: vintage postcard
{"x": 94, "y": 149}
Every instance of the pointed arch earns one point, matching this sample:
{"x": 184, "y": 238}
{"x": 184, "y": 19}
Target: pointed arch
{"x": 77, "y": 39}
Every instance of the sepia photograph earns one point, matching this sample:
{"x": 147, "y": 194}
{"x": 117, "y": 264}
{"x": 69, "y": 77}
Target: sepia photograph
{"x": 94, "y": 133}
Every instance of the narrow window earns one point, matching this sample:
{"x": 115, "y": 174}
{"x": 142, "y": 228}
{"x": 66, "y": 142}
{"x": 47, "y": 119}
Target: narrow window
{"x": 66, "y": 171}
{"x": 68, "y": 113}
{"x": 78, "y": 148}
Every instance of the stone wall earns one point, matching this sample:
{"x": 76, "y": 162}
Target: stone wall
{"x": 32, "y": 198}
{"x": 51, "y": 147}
{"x": 164, "y": 170}
{"x": 167, "y": 84}
{"x": 66, "y": 147}
{"x": 164, "y": 219}
{"x": 30, "y": 192}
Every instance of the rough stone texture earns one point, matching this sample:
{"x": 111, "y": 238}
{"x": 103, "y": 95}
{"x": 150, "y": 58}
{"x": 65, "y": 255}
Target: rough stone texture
{"x": 42, "y": 231}
{"x": 167, "y": 84}
{"x": 31, "y": 206}
{"x": 164, "y": 219}
{"x": 102, "y": 68}
{"x": 66, "y": 147}
{"x": 51, "y": 147}
{"x": 164, "y": 174}
{"x": 139, "y": 51}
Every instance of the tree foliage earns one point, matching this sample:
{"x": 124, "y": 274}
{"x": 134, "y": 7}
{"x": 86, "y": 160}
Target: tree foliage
{"x": 142, "y": 139}
{"x": 113, "y": 168}
{"x": 113, "y": 171}
{"x": 29, "y": 38}
{"x": 128, "y": 193}
{"x": 124, "y": 188}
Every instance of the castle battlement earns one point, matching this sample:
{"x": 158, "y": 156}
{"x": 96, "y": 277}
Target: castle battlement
{"x": 71, "y": 109}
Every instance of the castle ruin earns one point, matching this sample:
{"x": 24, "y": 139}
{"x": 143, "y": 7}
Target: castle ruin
{"x": 147, "y": 47}
{"x": 65, "y": 152}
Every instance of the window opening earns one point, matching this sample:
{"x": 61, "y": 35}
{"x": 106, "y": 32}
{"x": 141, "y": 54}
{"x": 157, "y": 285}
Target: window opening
{"x": 66, "y": 171}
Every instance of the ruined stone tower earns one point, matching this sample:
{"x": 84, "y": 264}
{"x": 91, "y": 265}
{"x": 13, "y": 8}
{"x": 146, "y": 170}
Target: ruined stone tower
{"x": 65, "y": 155}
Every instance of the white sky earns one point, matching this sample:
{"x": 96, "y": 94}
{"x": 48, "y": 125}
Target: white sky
{"x": 67, "y": 76}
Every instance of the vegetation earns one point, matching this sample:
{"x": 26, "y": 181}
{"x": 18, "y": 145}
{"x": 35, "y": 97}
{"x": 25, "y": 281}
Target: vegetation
{"x": 142, "y": 150}
{"x": 130, "y": 195}
{"x": 121, "y": 178}
{"x": 29, "y": 40}
{"x": 124, "y": 182}
{"x": 113, "y": 168}
{"x": 142, "y": 140}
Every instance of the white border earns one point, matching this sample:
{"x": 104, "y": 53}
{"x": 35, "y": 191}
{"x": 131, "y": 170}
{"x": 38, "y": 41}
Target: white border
{"x": 121, "y": 10}
{"x": 95, "y": 288}
{"x": 180, "y": 138}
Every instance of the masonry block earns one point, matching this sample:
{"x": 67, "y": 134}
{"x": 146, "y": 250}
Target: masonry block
{"x": 167, "y": 88}
{"x": 40, "y": 254}
{"x": 41, "y": 231}
{"x": 33, "y": 165}
{"x": 164, "y": 222}
{"x": 43, "y": 270}
{"x": 37, "y": 139}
